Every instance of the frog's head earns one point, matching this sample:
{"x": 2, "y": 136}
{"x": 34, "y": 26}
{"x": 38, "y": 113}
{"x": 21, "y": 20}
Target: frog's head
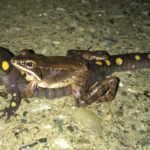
{"x": 26, "y": 61}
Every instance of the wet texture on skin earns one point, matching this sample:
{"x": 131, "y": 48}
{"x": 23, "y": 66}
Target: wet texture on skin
{"x": 86, "y": 71}
{"x": 15, "y": 82}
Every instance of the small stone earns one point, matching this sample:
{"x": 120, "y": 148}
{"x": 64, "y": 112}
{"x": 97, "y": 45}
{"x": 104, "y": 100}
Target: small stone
{"x": 88, "y": 120}
{"x": 43, "y": 140}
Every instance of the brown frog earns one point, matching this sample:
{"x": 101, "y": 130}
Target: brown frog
{"x": 60, "y": 71}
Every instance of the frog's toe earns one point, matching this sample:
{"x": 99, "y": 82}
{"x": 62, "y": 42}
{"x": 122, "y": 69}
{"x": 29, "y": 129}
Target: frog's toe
{"x": 81, "y": 103}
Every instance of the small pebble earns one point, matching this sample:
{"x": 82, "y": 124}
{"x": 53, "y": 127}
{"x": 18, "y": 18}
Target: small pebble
{"x": 88, "y": 120}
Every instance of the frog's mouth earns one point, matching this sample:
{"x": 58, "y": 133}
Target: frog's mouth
{"x": 19, "y": 65}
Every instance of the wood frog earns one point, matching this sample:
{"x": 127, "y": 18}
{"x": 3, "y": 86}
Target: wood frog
{"x": 60, "y": 71}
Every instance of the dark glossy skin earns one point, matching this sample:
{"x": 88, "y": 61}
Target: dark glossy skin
{"x": 8, "y": 76}
{"x": 84, "y": 70}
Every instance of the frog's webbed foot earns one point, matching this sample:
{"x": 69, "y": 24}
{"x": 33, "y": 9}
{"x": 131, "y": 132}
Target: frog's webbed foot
{"x": 88, "y": 55}
{"x": 28, "y": 91}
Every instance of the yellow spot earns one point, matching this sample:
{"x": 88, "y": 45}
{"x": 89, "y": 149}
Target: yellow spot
{"x": 108, "y": 63}
{"x": 148, "y": 56}
{"x": 13, "y": 104}
{"x": 22, "y": 73}
{"x": 137, "y": 57}
{"x": 119, "y": 61}
{"x": 99, "y": 63}
{"x": 5, "y": 65}
{"x": 27, "y": 78}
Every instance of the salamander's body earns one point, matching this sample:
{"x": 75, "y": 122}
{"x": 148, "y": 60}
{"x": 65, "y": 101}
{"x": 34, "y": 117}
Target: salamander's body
{"x": 82, "y": 73}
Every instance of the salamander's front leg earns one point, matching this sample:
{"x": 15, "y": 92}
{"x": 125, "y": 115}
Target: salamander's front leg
{"x": 14, "y": 104}
{"x": 88, "y": 55}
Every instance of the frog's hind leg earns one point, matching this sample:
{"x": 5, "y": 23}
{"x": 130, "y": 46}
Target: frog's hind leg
{"x": 104, "y": 91}
{"x": 88, "y": 55}
{"x": 100, "y": 92}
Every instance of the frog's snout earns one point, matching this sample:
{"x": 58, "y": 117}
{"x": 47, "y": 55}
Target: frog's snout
{"x": 12, "y": 61}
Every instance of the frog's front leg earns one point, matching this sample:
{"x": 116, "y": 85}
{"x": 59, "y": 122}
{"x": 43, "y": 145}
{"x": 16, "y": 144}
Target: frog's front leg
{"x": 100, "y": 92}
{"x": 28, "y": 91}
{"x": 88, "y": 55}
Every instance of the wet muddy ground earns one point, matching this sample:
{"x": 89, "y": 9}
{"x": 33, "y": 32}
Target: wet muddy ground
{"x": 53, "y": 27}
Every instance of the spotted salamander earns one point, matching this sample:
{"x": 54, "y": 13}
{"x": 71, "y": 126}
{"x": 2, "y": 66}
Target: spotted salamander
{"x": 101, "y": 88}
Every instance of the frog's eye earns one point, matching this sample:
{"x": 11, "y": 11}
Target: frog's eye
{"x": 30, "y": 64}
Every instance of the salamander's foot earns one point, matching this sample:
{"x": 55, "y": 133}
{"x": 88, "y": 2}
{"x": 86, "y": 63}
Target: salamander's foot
{"x": 7, "y": 112}
{"x": 14, "y": 105}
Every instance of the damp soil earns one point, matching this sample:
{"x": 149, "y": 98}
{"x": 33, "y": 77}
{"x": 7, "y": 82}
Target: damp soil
{"x": 52, "y": 28}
